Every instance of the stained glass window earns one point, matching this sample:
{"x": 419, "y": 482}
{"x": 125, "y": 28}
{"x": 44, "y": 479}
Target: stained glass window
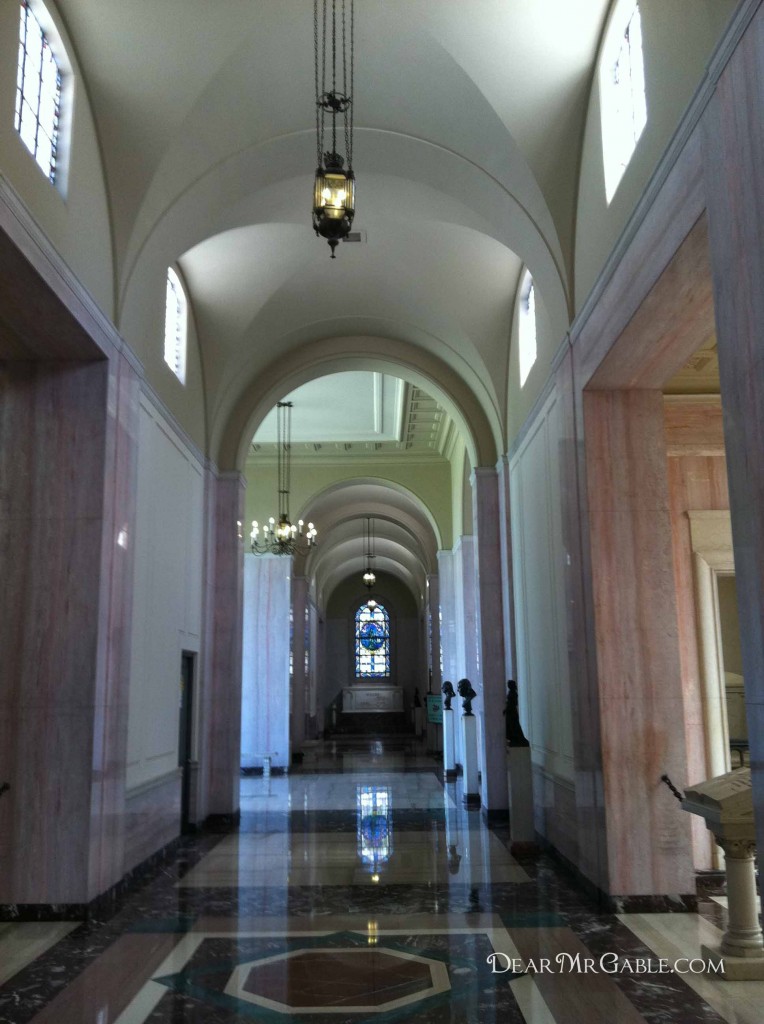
{"x": 372, "y": 641}
{"x": 38, "y": 93}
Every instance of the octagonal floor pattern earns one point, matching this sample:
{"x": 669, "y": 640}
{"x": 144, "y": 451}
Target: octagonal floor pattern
{"x": 360, "y": 889}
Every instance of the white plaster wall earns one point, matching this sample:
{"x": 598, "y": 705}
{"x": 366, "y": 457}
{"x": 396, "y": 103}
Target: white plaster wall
{"x": 539, "y": 585}
{"x": 167, "y": 609}
{"x": 266, "y": 645}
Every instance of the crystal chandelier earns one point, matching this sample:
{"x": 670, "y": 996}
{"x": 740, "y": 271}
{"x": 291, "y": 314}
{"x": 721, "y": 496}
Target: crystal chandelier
{"x": 334, "y": 190}
{"x": 369, "y": 578}
{"x": 282, "y": 537}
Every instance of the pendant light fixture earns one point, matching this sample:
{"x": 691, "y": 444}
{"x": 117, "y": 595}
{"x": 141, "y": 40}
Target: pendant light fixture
{"x": 282, "y": 538}
{"x": 334, "y": 190}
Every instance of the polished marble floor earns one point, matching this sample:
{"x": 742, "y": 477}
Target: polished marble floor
{"x": 359, "y": 889}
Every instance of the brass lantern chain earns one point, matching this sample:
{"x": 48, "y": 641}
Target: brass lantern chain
{"x": 334, "y": 188}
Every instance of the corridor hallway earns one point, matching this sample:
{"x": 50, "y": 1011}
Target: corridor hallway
{"x": 355, "y": 889}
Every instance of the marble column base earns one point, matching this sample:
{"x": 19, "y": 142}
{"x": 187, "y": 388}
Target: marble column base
{"x": 449, "y": 760}
{"x": 522, "y": 828}
{"x": 471, "y": 796}
{"x": 735, "y": 968}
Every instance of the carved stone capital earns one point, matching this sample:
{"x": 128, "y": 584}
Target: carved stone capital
{"x": 738, "y": 849}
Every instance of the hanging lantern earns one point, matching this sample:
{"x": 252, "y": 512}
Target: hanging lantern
{"x": 334, "y": 189}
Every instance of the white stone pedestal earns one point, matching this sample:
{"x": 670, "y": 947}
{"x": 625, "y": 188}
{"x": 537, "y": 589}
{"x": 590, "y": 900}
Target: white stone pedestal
{"x": 418, "y": 716}
{"x": 726, "y": 803}
{"x": 470, "y": 764}
{"x": 522, "y": 830}
{"x": 742, "y": 949}
{"x": 449, "y": 758}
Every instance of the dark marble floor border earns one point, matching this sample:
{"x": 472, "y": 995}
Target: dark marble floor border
{"x": 659, "y": 903}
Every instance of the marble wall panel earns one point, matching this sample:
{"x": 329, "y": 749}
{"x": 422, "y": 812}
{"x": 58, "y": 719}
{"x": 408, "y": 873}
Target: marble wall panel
{"x": 638, "y": 663}
{"x": 114, "y": 630}
{"x": 695, "y": 483}
{"x": 733, "y": 141}
{"x": 555, "y": 812}
{"x": 152, "y": 818}
{"x": 265, "y": 666}
{"x": 591, "y": 823}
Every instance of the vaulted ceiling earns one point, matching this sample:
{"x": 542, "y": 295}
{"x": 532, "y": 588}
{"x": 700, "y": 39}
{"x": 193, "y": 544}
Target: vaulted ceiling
{"x": 468, "y": 118}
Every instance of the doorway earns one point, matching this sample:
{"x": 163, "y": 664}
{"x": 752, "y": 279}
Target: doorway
{"x": 185, "y": 737}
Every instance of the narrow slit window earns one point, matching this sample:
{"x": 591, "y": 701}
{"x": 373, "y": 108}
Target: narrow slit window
{"x": 622, "y": 94}
{"x": 175, "y": 326}
{"x": 38, "y": 93}
{"x": 526, "y": 328}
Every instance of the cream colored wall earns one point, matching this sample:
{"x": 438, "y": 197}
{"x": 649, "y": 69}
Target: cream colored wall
{"x": 142, "y": 326}
{"x": 430, "y": 482}
{"x": 538, "y": 559}
{"x": 458, "y": 460}
{"x": 678, "y": 38}
{"x": 167, "y": 609}
{"x": 77, "y": 220}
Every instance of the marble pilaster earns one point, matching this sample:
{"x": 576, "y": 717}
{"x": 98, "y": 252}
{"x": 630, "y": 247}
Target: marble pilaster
{"x": 433, "y": 610}
{"x": 507, "y": 581}
{"x": 300, "y": 646}
{"x": 733, "y": 140}
{"x": 67, "y": 486}
{"x": 638, "y": 664}
{"x": 447, "y": 614}
{"x": 222, "y": 687}
{"x": 490, "y": 639}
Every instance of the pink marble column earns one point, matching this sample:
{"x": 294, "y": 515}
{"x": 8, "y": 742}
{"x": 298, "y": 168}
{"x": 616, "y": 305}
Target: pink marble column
{"x": 638, "y": 663}
{"x": 222, "y": 686}
{"x": 300, "y": 644}
{"x": 490, "y": 638}
{"x": 433, "y": 609}
{"x": 733, "y": 129}
{"x": 507, "y": 579}
{"x": 67, "y": 515}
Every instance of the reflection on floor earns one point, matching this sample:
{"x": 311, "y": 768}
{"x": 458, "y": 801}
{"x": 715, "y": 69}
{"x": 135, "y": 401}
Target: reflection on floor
{"x": 356, "y": 890}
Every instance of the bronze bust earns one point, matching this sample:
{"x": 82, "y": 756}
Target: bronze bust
{"x": 448, "y": 693}
{"x": 468, "y": 694}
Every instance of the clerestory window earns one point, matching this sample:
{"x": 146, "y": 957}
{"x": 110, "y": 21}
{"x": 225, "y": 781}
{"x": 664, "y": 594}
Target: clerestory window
{"x": 38, "y": 93}
{"x": 175, "y": 326}
{"x": 526, "y": 328}
{"x": 622, "y": 93}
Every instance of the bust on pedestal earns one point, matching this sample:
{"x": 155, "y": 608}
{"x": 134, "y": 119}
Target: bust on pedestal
{"x": 471, "y": 796}
{"x": 522, "y": 829}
